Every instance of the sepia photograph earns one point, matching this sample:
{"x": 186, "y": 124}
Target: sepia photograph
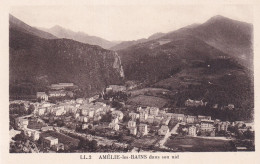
{"x": 131, "y": 79}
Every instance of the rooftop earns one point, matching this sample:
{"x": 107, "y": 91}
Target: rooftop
{"x": 50, "y": 138}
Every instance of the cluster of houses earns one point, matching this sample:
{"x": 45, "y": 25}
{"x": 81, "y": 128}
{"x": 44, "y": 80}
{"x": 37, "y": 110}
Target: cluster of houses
{"x": 57, "y": 93}
{"x": 115, "y": 88}
{"x": 117, "y": 117}
{"x": 190, "y": 125}
{"x": 61, "y": 86}
{"x": 148, "y": 116}
{"x": 56, "y": 90}
{"x": 205, "y": 126}
{"x": 48, "y": 142}
{"x": 72, "y": 112}
{"x": 67, "y": 106}
{"x": 198, "y": 103}
{"x": 81, "y": 111}
{"x": 195, "y": 103}
{"x": 87, "y": 111}
{"x": 53, "y": 143}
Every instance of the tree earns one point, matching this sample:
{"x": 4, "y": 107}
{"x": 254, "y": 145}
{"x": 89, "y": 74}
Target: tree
{"x": 90, "y": 127}
{"x": 20, "y": 137}
{"x": 93, "y": 145}
{"x": 249, "y": 134}
{"x": 119, "y": 137}
{"x": 116, "y": 104}
{"x": 126, "y": 118}
{"x": 31, "y": 109}
{"x": 82, "y": 144}
{"x": 60, "y": 123}
{"x": 137, "y": 121}
{"x": 107, "y": 117}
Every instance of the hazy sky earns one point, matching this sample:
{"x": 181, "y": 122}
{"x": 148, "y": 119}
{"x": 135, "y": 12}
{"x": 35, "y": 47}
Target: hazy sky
{"x": 126, "y": 22}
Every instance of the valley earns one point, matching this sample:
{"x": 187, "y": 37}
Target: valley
{"x": 184, "y": 90}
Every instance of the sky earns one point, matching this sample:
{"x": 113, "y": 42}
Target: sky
{"x": 126, "y": 22}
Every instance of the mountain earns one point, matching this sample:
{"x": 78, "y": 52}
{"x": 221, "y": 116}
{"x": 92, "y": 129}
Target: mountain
{"x": 23, "y": 27}
{"x": 197, "y": 62}
{"x": 158, "y": 59}
{"x": 61, "y": 32}
{"x": 36, "y": 63}
{"x": 126, "y": 44}
{"x": 232, "y": 37}
{"x": 155, "y": 36}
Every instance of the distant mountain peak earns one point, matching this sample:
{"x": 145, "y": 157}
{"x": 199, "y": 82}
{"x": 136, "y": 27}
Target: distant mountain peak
{"x": 156, "y": 35}
{"x": 218, "y": 17}
{"x": 79, "y": 36}
{"x": 17, "y": 24}
{"x": 57, "y": 27}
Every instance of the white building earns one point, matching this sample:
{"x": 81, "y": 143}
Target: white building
{"x": 133, "y": 130}
{"x": 150, "y": 119}
{"x": 143, "y": 117}
{"x": 131, "y": 124}
{"x": 60, "y": 110}
{"x": 201, "y": 117}
{"x": 84, "y": 112}
{"x": 115, "y": 121}
{"x": 21, "y": 122}
{"x": 57, "y": 93}
{"x": 118, "y": 114}
{"x": 34, "y": 134}
{"x": 134, "y": 116}
{"x": 79, "y": 100}
{"x": 143, "y": 129}
{"x": 82, "y": 119}
{"x": 50, "y": 141}
{"x": 192, "y": 131}
{"x": 154, "y": 111}
{"x": 114, "y": 126}
{"x": 207, "y": 125}
{"x": 190, "y": 119}
{"x": 42, "y": 96}
{"x": 91, "y": 113}
{"x": 41, "y": 111}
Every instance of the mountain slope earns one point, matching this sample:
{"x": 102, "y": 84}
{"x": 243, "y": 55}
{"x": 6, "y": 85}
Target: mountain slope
{"x": 193, "y": 63}
{"x": 232, "y": 37}
{"x": 23, "y": 27}
{"x": 126, "y": 44}
{"x": 36, "y": 63}
{"x": 79, "y": 36}
{"x": 157, "y": 60}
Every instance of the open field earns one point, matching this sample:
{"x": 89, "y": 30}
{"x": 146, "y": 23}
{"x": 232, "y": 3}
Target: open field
{"x": 148, "y": 91}
{"x": 143, "y": 100}
{"x": 193, "y": 144}
{"x": 146, "y": 142}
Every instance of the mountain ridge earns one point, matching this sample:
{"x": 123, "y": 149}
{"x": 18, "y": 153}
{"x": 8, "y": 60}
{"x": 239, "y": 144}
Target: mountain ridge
{"x": 21, "y": 26}
{"x": 62, "y": 32}
{"x": 193, "y": 62}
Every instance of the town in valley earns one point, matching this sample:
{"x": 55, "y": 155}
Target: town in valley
{"x": 57, "y": 122}
{"x": 190, "y": 89}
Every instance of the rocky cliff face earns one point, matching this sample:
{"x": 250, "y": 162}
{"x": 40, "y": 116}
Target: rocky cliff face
{"x": 118, "y": 65}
